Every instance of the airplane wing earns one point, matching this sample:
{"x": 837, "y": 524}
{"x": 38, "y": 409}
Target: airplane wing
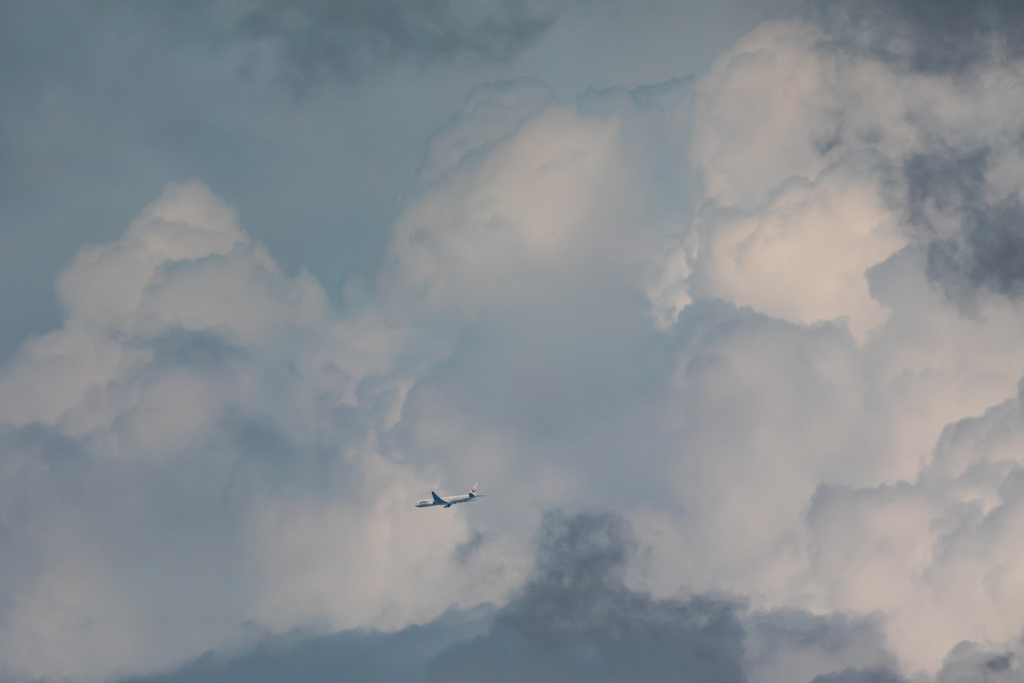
{"x": 438, "y": 499}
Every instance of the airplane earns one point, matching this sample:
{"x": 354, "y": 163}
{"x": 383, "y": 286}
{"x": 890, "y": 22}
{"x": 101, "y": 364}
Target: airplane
{"x": 448, "y": 501}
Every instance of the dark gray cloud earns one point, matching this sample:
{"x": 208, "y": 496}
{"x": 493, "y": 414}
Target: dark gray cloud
{"x": 576, "y": 620}
{"x": 852, "y": 675}
{"x": 465, "y": 551}
{"x": 924, "y": 35}
{"x": 804, "y": 644}
{"x": 968, "y": 663}
{"x": 341, "y": 38}
{"x": 988, "y": 249}
{"x": 349, "y": 656}
{"x": 573, "y": 619}
{"x": 200, "y": 350}
{"x": 992, "y": 252}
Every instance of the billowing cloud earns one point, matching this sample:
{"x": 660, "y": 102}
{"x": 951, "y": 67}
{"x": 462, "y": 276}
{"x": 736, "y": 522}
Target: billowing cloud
{"x": 798, "y": 134}
{"x": 200, "y": 418}
{"x": 770, "y": 316}
{"x": 573, "y": 618}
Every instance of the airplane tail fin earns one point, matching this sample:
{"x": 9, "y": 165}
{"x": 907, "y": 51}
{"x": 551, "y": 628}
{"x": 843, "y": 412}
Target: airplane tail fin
{"x": 472, "y": 491}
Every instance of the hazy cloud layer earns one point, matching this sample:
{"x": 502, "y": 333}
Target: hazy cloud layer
{"x": 343, "y": 38}
{"x": 769, "y": 316}
{"x": 573, "y": 618}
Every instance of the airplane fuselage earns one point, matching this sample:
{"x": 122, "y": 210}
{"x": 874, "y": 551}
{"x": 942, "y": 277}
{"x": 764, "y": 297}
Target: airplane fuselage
{"x": 448, "y": 501}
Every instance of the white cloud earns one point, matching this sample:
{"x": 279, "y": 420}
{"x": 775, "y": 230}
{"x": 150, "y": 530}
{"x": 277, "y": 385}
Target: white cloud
{"x": 804, "y": 256}
{"x": 220, "y": 464}
{"x": 759, "y": 370}
{"x": 805, "y": 461}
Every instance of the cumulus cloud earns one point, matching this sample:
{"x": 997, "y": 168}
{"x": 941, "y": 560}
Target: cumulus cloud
{"x": 786, "y": 450}
{"x": 195, "y": 449}
{"x": 787, "y": 126}
{"x": 574, "y": 618}
{"x": 770, "y": 316}
{"x": 935, "y": 555}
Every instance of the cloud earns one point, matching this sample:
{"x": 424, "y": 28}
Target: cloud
{"x": 353, "y": 655}
{"x": 769, "y": 317}
{"x": 937, "y": 37}
{"x": 828, "y": 231}
{"x": 941, "y": 563}
{"x": 341, "y": 38}
{"x": 852, "y": 675}
{"x": 787, "y": 126}
{"x": 195, "y": 446}
{"x": 573, "y": 617}
{"x": 986, "y": 250}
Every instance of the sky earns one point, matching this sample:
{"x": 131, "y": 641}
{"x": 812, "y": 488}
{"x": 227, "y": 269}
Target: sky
{"x": 720, "y": 303}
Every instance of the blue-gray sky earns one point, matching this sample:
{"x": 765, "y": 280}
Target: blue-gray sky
{"x": 720, "y": 304}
